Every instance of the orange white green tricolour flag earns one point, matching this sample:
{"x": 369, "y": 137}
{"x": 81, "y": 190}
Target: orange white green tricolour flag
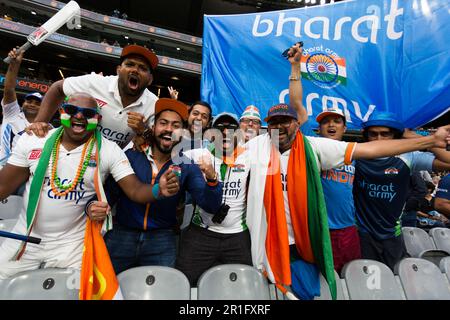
{"x": 324, "y": 68}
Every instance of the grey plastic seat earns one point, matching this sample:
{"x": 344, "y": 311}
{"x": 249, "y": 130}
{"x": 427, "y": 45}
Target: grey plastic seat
{"x": 416, "y": 241}
{"x": 370, "y": 280}
{"x": 42, "y": 284}
{"x": 154, "y": 283}
{"x": 10, "y": 207}
{"x": 7, "y": 224}
{"x": 325, "y": 289}
{"x": 233, "y": 282}
{"x": 441, "y": 238}
{"x": 422, "y": 280}
{"x": 445, "y": 267}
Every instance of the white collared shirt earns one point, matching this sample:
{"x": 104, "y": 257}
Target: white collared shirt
{"x": 105, "y": 90}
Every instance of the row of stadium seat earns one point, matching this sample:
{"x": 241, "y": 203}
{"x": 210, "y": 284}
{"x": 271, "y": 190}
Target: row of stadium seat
{"x": 415, "y": 279}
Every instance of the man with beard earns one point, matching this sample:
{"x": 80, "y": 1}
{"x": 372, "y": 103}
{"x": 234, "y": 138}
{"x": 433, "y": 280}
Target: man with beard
{"x": 124, "y": 100}
{"x": 286, "y": 212}
{"x": 63, "y": 171}
{"x": 15, "y": 120}
{"x": 144, "y": 234}
{"x": 250, "y": 123}
{"x": 222, "y": 237}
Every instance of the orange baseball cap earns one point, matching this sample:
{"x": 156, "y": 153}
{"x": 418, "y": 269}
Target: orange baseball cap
{"x": 328, "y": 112}
{"x": 148, "y": 55}
{"x": 179, "y": 107}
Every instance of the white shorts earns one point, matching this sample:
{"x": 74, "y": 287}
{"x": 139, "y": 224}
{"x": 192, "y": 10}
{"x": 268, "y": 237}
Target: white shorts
{"x": 50, "y": 255}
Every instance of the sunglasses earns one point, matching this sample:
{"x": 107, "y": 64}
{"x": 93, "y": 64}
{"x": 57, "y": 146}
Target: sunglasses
{"x": 223, "y": 126}
{"x": 72, "y": 110}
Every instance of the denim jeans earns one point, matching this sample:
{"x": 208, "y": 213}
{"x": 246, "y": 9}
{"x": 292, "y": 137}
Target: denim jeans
{"x": 129, "y": 248}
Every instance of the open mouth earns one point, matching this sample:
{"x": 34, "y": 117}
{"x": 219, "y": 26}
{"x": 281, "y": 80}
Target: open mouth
{"x": 133, "y": 82}
{"x": 166, "y": 140}
{"x": 331, "y": 132}
{"x": 78, "y": 126}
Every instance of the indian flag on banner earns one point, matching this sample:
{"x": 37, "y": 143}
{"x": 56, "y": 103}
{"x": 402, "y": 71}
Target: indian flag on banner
{"x": 324, "y": 69}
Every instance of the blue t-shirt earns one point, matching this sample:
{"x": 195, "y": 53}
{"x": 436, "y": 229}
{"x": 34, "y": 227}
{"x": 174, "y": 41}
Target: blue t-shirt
{"x": 443, "y": 189}
{"x": 337, "y": 187}
{"x": 380, "y": 190}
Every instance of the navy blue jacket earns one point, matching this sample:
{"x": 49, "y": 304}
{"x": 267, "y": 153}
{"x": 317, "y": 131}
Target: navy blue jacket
{"x": 162, "y": 213}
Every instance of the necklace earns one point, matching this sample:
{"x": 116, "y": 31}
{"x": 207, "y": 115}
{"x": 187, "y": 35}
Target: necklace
{"x": 84, "y": 161}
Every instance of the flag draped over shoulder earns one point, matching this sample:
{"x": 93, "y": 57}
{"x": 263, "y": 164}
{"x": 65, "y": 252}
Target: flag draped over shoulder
{"x": 267, "y": 222}
{"x": 98, "y": 279}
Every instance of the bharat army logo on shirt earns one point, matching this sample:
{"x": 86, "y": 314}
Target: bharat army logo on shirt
{"x": 238, "y": 167}
{"x": 35, "y": 154}
{"x": 323, "y": 67}
{"x": 391, "y": 171}
{"x": 100, "y": 103}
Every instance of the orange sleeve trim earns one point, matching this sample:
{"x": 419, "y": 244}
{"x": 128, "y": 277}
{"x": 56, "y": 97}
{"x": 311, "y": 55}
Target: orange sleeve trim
{"x": 348, "y": 157}
{"x": 212, "y": 184}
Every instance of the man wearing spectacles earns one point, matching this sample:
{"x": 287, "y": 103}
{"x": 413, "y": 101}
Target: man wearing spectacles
{"x": 286, "y": 212}
{"x": 250, "y": 123}
{"x": 15, "y": 118}
{"x": 125, "y": 103}
{"x": 65, "y": 169}
{"x": 221, "y": 237}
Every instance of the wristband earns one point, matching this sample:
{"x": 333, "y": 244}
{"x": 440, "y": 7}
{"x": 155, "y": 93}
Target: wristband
{"x": 156, "y": 192}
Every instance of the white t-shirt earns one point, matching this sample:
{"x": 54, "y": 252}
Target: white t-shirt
{"x": 105, "y": 90}
{"x": 329, "y": 154}
{"x": 15, "y": 122}
{"x": 62, "y": 220}
{"x": 234, "y": 193}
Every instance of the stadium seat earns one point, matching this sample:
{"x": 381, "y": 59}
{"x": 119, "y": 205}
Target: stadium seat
{"x": 154, "y": 283}
{"x": 445, "y": 266}
{"x": 233, "y": 282}
{"x": 7, "y": 225}
{"x": 422, "y": 280}
{"x": 370, "y": 280}
{"x": 416, "y": 241}
{"x": 325, "y": 290}
{"x": 441, "y": 238}
{"x": 42, "y": 284}
{"x": 10, "y": 207}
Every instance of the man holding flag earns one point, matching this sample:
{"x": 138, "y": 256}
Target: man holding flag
{"x": 286, "y": 212}
{"x": 55, "y": 199}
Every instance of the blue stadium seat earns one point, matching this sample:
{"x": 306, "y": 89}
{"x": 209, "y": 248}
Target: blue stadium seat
{"x": 42, "y": 284}
{"x": 10, "y": 207}
{"x": 370, "y": 280}
{"x": 154, "y": 283}
{"x": 422, "y": 280}
{"x": 233, "y": 282}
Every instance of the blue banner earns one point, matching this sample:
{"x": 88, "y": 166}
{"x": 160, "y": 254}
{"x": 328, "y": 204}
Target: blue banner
{"x": 358, "y": 56}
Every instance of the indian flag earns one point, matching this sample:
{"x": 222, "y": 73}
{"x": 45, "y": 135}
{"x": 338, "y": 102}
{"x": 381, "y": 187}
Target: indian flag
{"x": 324, "y": 68}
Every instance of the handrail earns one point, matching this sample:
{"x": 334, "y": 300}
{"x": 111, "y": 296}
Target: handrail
{"x": 135, "y": 26}
{"x": 94, "y": 47}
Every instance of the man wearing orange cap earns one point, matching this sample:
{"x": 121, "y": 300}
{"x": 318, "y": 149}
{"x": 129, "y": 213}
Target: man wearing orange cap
{"x": 124, "y": 101}
{"x": 145, "y": 234}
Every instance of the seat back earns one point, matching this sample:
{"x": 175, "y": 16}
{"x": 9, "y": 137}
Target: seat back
{"x": 10, "y": 207}
{"x": 434, "y": 256}
{"x": 422, "y": 280}
{"x": 325, "y": 289}
{"x": 154, "y": 283}
{"x": 441, "y": 238}
{"x": 233, "y": 282}
{"x": 42, "y": 284}
{"x": 445, "y": 267}
{"x": 370, "y": 280}
{"x": 416, "y": 241}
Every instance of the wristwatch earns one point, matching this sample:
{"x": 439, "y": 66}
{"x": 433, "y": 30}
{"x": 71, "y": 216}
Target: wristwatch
{"x": 294, "y": 78}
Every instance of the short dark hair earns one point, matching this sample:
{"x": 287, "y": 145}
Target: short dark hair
{"x": 202, "y": 103}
